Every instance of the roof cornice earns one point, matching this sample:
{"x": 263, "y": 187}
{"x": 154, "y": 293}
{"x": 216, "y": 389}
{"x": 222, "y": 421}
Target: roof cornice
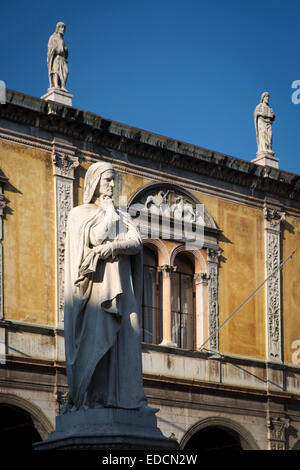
{"x": 93, "y": 128}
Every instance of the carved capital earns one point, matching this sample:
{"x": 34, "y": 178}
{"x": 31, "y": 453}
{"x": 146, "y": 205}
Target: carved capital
{"x": 167, "y": 269}
{"x": 201, "y": 278}
{"x": 213, "y": 254}
{"x": 273, "y": 218}
{"x": 64, "y": 164}
{"x": 277, "y": 432}
{"x": 61, "y": 399}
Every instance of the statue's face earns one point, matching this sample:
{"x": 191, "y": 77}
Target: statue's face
{"x": 266, "y": 99}
{"x": 107, "y": 183}
{"x": 61, "y": 29}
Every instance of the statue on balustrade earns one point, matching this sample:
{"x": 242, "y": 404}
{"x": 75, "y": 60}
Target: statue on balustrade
{"x": 57, "y": 58}
{"x": 263, "y": 120}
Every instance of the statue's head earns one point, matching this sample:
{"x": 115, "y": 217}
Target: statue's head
{"x": 60, "y": 27}
{"x": 99, "y": 181}
{"x": 265, "y": 97}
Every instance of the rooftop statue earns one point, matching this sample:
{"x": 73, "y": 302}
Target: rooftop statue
{"x": 57, "y": 58}
{"x": 263, "y": 119}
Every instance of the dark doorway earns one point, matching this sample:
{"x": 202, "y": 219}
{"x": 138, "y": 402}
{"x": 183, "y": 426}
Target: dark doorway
{"x": 214, "y": 439}
{"x": 17, "y": 432}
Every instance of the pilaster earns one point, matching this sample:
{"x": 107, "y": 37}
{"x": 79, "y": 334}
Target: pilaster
{"x": 3, "y": 181}
{"x": 273, "y": 219}
{"x": 277, "y": 427}
{"x": 64, "y": 162}
{"x": 213, "y": 256}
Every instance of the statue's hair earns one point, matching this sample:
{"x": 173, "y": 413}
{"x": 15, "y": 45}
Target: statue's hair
{"x": 60, "y": 23}
{"x": 265, "y": 93}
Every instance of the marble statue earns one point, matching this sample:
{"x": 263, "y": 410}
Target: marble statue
{"x": 57, "y": 58}
{"x": 103, "y": 292}
{"x": 158, "y": 200}
{"x": 263, "y": 119}
{"x": 182, "y": 210}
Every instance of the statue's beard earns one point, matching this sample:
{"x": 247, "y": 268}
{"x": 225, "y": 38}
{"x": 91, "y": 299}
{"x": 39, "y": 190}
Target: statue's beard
{"x": 105, "y": 196}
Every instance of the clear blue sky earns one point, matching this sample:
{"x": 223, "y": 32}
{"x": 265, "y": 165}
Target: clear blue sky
{"x": 192, "y": 70}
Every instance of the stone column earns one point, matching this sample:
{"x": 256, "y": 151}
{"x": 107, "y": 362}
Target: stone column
{"x": 201, "y": 288}
{"x": 277, "y": 433}
{"x": 273, "y": 219}
{"x": 63, "y": 171}
{"x": 213, "y": 255}
{"x": 167, "y": 317}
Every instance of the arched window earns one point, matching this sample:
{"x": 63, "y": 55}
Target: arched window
{"x": 152, "y": 299}
{"x": 182, "y": 302}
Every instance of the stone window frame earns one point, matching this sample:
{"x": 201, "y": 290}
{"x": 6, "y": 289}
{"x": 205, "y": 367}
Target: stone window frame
{"x": 206, "y": 262}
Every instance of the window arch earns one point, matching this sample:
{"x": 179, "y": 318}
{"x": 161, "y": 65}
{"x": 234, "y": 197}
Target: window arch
{"x": 242, "y": 435}
{"x": 151, "y": 324}
{"x": 168, "y": 217}
{"x": 182, "y": 302}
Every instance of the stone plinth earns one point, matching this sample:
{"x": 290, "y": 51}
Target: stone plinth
{"x": 266, "y": 159}
{"x": 107, "y": 428}
{"x": 59, "y": 96}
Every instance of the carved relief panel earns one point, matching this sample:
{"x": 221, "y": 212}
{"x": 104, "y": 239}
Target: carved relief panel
{"x": 273, "y": 220}
{"x": 63, "y": 166}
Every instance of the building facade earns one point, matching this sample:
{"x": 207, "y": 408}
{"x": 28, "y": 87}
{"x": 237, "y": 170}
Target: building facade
{"x": 220, "y": 324}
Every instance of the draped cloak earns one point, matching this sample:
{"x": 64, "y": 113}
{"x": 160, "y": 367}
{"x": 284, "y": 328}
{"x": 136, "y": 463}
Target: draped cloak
{"x": 263, "y": 118}
{"x": 102, "y": 303}
{"x": 57, "y": 59}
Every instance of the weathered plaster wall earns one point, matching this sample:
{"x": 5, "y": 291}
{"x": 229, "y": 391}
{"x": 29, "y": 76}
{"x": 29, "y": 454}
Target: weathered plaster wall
{"x": 291, "y": 291}
{"x": 28, "y": 234}
{"x": 241, "y": 271}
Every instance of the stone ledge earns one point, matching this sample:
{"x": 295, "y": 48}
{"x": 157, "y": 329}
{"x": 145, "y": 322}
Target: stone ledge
{"x": 82, "y": 125}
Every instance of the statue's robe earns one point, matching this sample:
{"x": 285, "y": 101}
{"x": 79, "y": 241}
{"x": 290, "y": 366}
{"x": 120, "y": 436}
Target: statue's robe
{"x": 102, "y": 304}
{"x": 263, "y": 119}
{"x": 57, "y": 60}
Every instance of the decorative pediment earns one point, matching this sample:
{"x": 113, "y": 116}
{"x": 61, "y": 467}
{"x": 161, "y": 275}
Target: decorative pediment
{"x": 170, "y": 201}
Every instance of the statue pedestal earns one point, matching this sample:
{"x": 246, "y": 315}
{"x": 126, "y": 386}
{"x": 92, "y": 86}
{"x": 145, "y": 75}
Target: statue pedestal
{"x": 266, "y": 159}
{"x": 107, "y": 428}
{"x": 59, "y": 96}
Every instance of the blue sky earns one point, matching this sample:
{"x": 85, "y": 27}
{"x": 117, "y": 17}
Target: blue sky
{"x": 191, "y": 70}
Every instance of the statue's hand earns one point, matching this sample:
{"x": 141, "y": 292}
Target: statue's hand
{"x": 105, "y": 251}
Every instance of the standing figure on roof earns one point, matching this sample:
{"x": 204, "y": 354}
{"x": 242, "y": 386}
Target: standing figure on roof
{"x": 263, "y": 120}
{"x": 57, "y": 58}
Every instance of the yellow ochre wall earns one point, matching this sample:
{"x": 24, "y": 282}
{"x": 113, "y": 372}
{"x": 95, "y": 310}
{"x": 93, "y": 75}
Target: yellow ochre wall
{"x": 241, "y": 270}
{"x": 291, "y": 291}
{"x": 28, "y": 245}
{"x": 29, "y": 253}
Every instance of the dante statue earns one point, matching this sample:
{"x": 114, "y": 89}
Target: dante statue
{"x": 103, "y": 292}
{"x": 263, "y": 119}
{"x": 57, "y": 58}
